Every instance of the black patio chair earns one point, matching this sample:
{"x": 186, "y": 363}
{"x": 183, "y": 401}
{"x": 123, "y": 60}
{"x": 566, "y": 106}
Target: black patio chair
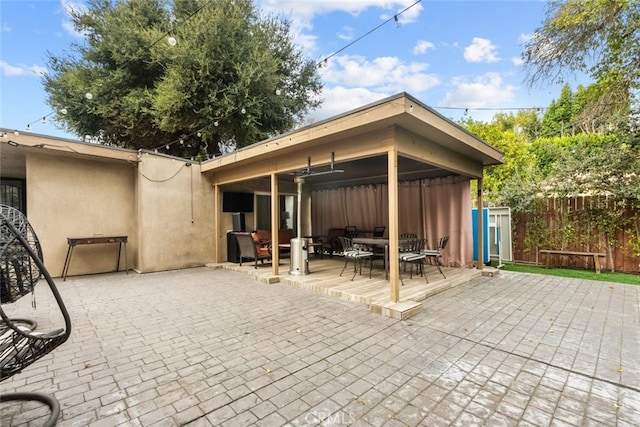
{"x": 248, "y": 249}
{"x": 378, "y": 231}
{"x": 351, "y": 231}
{"x": 357, "y": 254}
{"x": 21, "y": 268}
{"x": 414, "y": 256}
{"x": 436, "y": 254}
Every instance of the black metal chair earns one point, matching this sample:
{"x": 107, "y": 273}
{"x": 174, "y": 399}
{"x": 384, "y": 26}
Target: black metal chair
{"x": 378, "y": 231}
{"x": 351, "y": 231}
{"x": 248, "y": 249}
{"x": 356, "y": 254}
{"x": 21, "y": 268}
{"x": 436, "y": 254}
{"x": 413, "y": 255}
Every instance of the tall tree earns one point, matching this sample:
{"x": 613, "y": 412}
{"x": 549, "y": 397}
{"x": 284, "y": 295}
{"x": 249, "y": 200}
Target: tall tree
{"x": 558, "y": 118}
{"x": 598, "y": 37}
{"x": 193, "y": 77}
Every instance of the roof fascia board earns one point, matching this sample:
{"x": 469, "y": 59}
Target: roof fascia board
{"x": 418, "y": 148}
{"x": 33, "y": 141}
{"x": 428, "y": 115}
{"x": 362, "y": 146}
{"x": 307, "y": 135}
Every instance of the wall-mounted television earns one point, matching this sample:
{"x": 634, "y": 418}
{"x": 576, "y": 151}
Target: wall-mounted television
{"x": 237, "y": 202}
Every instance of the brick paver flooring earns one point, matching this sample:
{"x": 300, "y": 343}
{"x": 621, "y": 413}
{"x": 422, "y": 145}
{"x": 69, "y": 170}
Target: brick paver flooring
{"x": 204, "y": 347}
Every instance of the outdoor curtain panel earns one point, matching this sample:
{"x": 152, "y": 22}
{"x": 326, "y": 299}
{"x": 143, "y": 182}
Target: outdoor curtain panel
{"x": 428, "y": 208}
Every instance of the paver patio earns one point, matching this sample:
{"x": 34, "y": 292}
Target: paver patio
{"x": 203, "y": 347}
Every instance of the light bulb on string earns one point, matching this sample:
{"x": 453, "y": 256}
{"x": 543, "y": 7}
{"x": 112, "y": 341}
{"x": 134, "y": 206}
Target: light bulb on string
{"x": 199, "y": 134}
{"x": 44, "y": 120}
{"x": 278, "y": 92}
{"x": 63, "y": 111}
{"x": 181, "y": 141}
{"x": 216, "y": 123}
{"x": 172, "y": 41}
{"x": 88, "y": 95}
{"x": 28, "y": 128}
{"x": 243, "y": 111}
{"x": 167, "y": 146}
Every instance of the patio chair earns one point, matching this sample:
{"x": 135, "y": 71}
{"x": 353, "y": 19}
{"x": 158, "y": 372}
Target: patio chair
{"x": 249, "y": 250}
{"x": 413, "y": 255}
{"x": 378, "y": 231}
{"x": 331, "y": 242}
{"x": 351, "y": 231}
{"x": 355, "y": 253}
{"x": 408, "y": 236}
{"x": 21, "y": 268}
{"x": 436, "y": 254}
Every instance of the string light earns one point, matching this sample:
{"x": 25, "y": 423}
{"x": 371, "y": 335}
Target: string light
{"x": 395, "y": 18}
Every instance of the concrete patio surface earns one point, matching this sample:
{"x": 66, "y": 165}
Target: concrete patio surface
{"x": 203, "y": 347}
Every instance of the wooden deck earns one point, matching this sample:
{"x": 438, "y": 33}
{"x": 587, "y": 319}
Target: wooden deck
{"x": 324, "y": 278}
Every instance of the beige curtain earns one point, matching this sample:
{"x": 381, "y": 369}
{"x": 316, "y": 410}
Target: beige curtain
{"x": 429, "y": 208}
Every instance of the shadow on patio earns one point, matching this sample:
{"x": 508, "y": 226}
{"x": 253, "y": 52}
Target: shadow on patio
{"x": 324, "y": 278}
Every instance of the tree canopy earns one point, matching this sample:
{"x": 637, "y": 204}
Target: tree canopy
{"x": 191, "y": 77}
{"x": 600, "y": 38}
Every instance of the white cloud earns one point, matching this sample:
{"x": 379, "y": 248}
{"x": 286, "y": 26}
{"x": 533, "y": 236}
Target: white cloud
{"x": 386, "y": 74}
{"x": 340, "y": 99}
{"x": 481, "y": 50}
{"x": 301, "y": 13}
{"x": 517, "y": 60}
{"x": 422, "y": 47}
{"x": 9, "y": 70}
{"x": 485, "y": 90}
{"x": 38, "y": 70}
{"x": 71, "y": 7}
{"x": 346, "y": 34}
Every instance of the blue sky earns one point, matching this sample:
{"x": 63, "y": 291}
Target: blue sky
{"x": 459, "y": 57}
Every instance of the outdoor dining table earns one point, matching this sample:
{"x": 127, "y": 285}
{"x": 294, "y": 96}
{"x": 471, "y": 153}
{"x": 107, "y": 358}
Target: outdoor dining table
{"x": 381, "y": 242}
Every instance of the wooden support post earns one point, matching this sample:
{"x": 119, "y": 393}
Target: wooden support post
{"x": 394, "y": 264}
{"x": 275, "y": 224}
{"x": 480, "y": 248}
{"x": 217, "y": 220}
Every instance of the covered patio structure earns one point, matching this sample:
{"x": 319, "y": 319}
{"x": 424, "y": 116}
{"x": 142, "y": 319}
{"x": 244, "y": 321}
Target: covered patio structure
{"x": 395, "y": 163}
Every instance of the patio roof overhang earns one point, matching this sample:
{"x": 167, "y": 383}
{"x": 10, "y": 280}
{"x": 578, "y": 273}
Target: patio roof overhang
{"x": 428, "y": 146}
{"x": 16, "y": 145}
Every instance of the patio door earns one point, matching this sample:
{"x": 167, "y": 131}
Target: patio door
{"x": 288, "y": 211}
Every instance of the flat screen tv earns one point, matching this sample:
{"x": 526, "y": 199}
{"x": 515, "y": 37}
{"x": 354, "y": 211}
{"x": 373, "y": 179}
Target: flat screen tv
{"x": 237, "y": 202}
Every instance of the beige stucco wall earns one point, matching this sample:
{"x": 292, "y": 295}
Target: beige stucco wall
{"x": 175, "y": 208}
{"x": 80, "y": 197}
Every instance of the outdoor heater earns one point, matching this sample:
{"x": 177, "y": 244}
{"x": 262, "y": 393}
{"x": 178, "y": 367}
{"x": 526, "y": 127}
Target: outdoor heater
{"x": 299, "y": 256}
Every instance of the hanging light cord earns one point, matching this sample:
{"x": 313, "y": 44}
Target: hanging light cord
{"x": 393, "y": 18}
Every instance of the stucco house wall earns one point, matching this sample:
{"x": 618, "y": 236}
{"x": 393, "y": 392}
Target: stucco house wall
{"x": 81, "y": 197}
{"x": 175, "y": 209}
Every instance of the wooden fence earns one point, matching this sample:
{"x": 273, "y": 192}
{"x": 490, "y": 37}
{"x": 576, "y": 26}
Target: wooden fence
{"x": 585, "y": 224}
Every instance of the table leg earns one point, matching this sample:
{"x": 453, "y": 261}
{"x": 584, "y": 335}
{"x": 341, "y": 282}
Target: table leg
{"x": 67, "y": 261}
{"x": 118, "y": 263}
{"x": 386, "y": 262}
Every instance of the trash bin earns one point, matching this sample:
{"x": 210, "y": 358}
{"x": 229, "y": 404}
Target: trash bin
{"x": 299, "y": 257}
